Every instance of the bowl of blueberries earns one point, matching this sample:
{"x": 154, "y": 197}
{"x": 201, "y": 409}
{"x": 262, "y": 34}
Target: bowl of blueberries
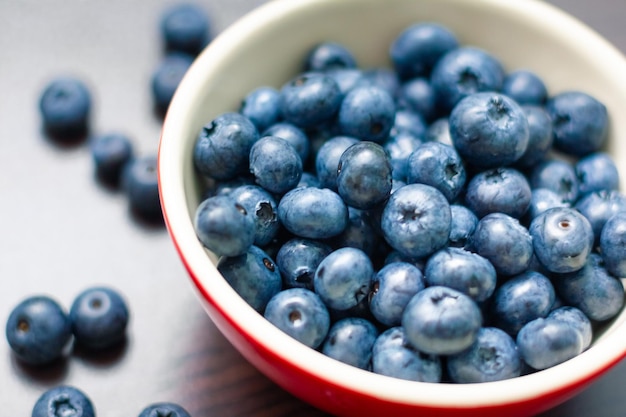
{"x": 406, "y": 207}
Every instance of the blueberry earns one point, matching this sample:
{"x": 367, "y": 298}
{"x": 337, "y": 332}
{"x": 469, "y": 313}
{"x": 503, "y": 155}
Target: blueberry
{"x": 409, "y": 121}
{"x": 556, "y": 175}
{"x": 441, "y": 321}
{"x": 439, "y": 131}
{"x": 185, "y": 27}
{"x": 292, "y": 134}
{"x": 493, "y": 357}
{"x": 65, "y": 107}
{"x": 463, "y": 271}
{"x": 346, "y": 78}
{"x": 110, "y": 153}
{"x": 262, "y": 206}
{"x": 416, "y": 220}
{"x": 63, "y": 400}
{"x": 350, "y": 341}
{"x": 141, "y": 185}
{"x": 464, "y": 71}
{"x": 438, "y": 165}
{"x": 462, "y": 225}
{"x": 418, "y": 95}
{"x": 600, "y": 206}
{"x": 399, "y": 146}
{"x": 309, "y": 99}
{"x": 613, "y": 244}
{"x": 166, "y": 78}
{"x": 38, "y": 329}
{"x": 562, "y": 238}
{"x": 525, "y": 87}
{"x": 327, "y": 159}
{"x": 380, "y": 77}
{"x": 520, "y": 300}
{"x": 596, "y": 172}
{"x": 99, "y": 317}
{"x": 592, "y": 290}
{"x": 418, "y": 48}
{"x": 344, "y": 278}
{"x": 308, "y": 179}
{"x": 577, "y": 319}
{"x": 253, "y": 275}
{"x": 359, "y": 233}
{"x": 262, "y": 107}
{"x": 275, "y": 164}
{"x": 315, "y": 213}
{"x": 297, "y": 259}
{"x": 301, "y": 314}
{"x": 393, "y": 287}
{"x": 580, "y": 122}
{"x": 160, "y": 409}
{"x": 504, "y": 242}
{"x": 367, "y": 113}
{"x": 224, "y": 226}
{"x": 223, "y": 146}
{"x": 540, "y": 136}
{"x": 364, "y": 175}
{"x": 544, "y": 343}
{"x": 329, "y": 55}
{"x": 542, "y": 199}
{"x": 503, "y": 190}
{"x": 392, "y": 355}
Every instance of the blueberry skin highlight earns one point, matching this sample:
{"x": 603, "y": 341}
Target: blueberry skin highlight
{"x": 310, "y": 99}
{"x": 520, "y": 300}
{"x": 562, "y": 238}
{"x": 393, "y": 286}
{"x": 262, "y": 107}
{"x": 493, "y": 357}
{"x": 327, "y": 159}
{"x": 462, "y": 225}
{"x": 314, "y": 213}
{"x": 65, "y": 107}
{"x": 99, "y": 317}
{"x": 164, "y": 409}
{"x": 301, "y": 314}
{"x": 558, "y": 176}
{"x": 504, "y": 242}
{"x": 37, "y": 330}
{"x": 441, "y": 321}
{"x": 599, "y": 206}
{"x": 438, "y": 165}
{"x": 364, "y": 175}
{"x": 525, "y": 87}
{"x": 253, "y": 275}
{"x": 367, "y": 113}
{"x": 110, "y": 153}
{"x": 262, "y": 206}
{"x": 392, "y": 355}
{"x": 580, "y": 122}
{"x": 596, "y": 172}
{"x": 275, "y": 164}
{"x": 489, "y": 130}
{"x": 613, "y": 244}
{"x": 350, "y": 341}
{"x": 577, "y": 319}
{"x": 503, "y": 190}
{"x": 463, "y": 271}
{"x": 416, "y": 220}
{"x": 223, "y": 146}
{"x": 329, "y": 55}
{"x": 185, "y": 28}
{"x": 298, "y": 259}
{"x": 343, "y": 278}
{"x": 544, "y": 343}
{"x": 63, "y": 400}
{"x": 292, "y": 134}
{"x": 224, "y": 226}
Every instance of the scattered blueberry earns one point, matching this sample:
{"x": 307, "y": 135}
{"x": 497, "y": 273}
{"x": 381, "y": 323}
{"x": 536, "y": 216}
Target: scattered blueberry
{"x": 111, "y": 152}
{"x": 185, "y": 27}
{"x": 162, "y": 409}
{"x": 166, "y": 77}
{"x": 65, "y": 107}
{"x": 141, "y": 185}
{"x": 63, "y": 400}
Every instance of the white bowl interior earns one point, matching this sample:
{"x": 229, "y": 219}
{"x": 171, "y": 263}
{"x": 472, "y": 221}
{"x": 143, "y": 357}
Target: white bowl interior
{"x": 266, "y": 48}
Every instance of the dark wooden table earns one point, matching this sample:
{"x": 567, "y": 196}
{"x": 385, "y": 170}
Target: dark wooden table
{"x": 60, "y": 231}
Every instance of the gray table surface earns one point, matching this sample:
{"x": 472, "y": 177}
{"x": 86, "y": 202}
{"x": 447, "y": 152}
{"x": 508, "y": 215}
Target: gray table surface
{"x": 60, "y": 231}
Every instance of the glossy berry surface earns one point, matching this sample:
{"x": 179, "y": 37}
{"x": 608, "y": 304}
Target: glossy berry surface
{"x": 544, "y": 343}
{"x": 525, "y": 87}
{"x": 294, "y": 135}
{"x": 350, "y": 341}
{"x": 613, "y": 244}
{"x": 298, "y": 259}
{"x": 38, "y": 329}
{"x": 162, "y": 409}
{"x": 367, "y": 113}
{"x": 327, "y": 159}
{"x": 275, "y": 164}
{"x": 262, "y": 206}
{"x": 309, "y": 99}
{"x": 498, "y": 190}
{"x": 262, "y": 107}
{"x": 65, "y": 107}
{"x": 63, "y": 400}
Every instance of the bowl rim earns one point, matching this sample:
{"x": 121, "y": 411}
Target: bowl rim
{"x": 578, "y": 371}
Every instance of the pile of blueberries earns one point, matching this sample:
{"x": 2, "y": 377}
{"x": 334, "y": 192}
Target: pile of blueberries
{"x": 440, "y": 220}
{"x": 38, "y": 330}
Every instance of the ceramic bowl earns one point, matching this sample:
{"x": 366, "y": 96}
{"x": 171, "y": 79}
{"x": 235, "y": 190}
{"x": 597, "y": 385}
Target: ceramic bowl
{"x": 266, "y": 47}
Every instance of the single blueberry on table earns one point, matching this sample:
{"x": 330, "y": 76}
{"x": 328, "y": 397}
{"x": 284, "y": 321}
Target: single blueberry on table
{"x": 498, "y": 190}
{"x": 556, "y": 175}
{"x": 223, "y": 146}
{"x": 542, "y": 199}
{"x": 462, "y": 225}
{"x": 185, "y": 27}
{"x": 613, "y": 245}
{"x": 140, "y": 183}
{"x": 350, "y": 341}
{"x": 544, "y": 343}
{"x": 253, "y": 275}
{"x": 364, "y": 175}
{"x": 166, "y": 78}
{"x": 392, "y": 355}
{"x": 63, "y": 400}
{"x": 344, "y": 278}
{"x": 540, "y": 137}
{"x": 599, "y": 206}
{"x": 224, "y": 226}
{"x": 493, "y": 357}
{"x": 416, "y": 220}
{"x": 38, "y": 329}
{"x": 576, "y": 319}
{"x": 262, "y": 206}
{"x": 298, "y": 259}
{"x": 393, "y": 286}
{"x": 99, "y": 317}
{"x": 399, "y": 146}
{"x": 301, "y": 314}
{"x": 310, "y": 99}
{"x": 110, "y": 153}
{"x": 167, "y": 409}
{"x": 262, "y": 107}
{"x": 292, "y": 134}
{"x": 417, "y": 94}
{"x": 525, "y": 87}
{"x": 327, "y": 159}
{"x": 441, "y": 321}
{"x": 367, "y": 113}
{"x": 314, "y": 213}
{"x": 275, "y": 164}
{"x": 596, "y": 171}
{"x": 489, "y": 130}
{"x": 65, "y": 107}
{"x": 327, "y": 56}
{"x": 562, "y": 238}
{"x": 580, "y": 122}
